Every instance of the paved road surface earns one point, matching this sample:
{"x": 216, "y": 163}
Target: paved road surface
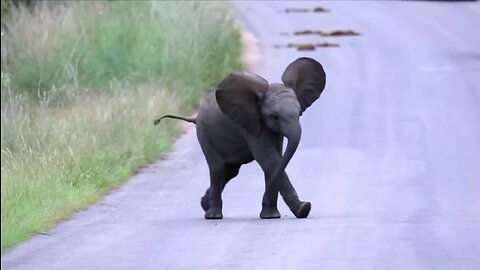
{"x": 390, "y": 159}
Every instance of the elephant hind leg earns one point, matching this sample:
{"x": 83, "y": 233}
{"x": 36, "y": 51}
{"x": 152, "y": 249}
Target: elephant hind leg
{"x": 230, "y": 172}
{"x": 204, "y": 202}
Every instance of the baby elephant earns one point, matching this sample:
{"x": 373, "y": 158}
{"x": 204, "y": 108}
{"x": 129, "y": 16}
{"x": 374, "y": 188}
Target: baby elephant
{"x": 245, "y": 119}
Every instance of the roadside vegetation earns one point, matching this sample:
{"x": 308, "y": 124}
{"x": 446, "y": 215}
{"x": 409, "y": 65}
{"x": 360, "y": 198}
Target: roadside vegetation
{"x": 81, "y": 83}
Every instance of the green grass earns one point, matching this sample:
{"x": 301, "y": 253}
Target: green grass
{"x": 81, "y": 86}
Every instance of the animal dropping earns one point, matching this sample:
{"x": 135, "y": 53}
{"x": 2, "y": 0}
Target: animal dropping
{"x": 320, "y": 9}
{"x": 336, "y": 33}
{"x": 340, "y": 33}
{"x": 304, "y": 32}
{"x": 305, "y": 47}
{"x": 327, "y": 44}
{"x": 305, "y": 10}
{"x": 288, "y": 10}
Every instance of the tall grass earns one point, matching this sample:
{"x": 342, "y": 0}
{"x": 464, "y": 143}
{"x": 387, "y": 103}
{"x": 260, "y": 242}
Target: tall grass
{"x": 81, "y": 84}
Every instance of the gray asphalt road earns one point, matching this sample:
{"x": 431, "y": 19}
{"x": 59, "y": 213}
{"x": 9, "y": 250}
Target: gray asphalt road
{"x": 390, "y": 159}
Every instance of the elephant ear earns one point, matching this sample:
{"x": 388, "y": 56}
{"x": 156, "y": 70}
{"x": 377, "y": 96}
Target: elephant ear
{"x": 307, "y": 78}
{"x": 239, "y": 96}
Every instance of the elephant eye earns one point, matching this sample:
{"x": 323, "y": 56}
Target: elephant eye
{"x": 275, "y": 117}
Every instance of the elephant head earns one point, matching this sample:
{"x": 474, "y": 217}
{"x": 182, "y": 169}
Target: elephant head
{"x": 249, "y": 101}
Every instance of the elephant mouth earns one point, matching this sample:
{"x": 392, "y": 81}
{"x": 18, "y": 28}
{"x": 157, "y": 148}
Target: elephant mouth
{"x": 277, "y": 130}
{"x": 274, "y": 126}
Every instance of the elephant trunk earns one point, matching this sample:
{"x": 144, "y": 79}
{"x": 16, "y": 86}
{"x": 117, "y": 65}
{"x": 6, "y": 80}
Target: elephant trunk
{"x": 293, "y": 132}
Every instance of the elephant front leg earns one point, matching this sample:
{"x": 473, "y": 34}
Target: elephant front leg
{"x": 269, "y": 203}
{"x": 270, "y": 197}
{"x": 299, "y": 208}
{"x": 205, "y": 200}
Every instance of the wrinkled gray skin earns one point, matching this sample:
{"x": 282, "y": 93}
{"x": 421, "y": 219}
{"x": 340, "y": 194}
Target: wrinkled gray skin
{"x": 246, "y": 119}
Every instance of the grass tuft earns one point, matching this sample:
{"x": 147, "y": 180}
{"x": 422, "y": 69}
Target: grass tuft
{"x": 81, "y": 84}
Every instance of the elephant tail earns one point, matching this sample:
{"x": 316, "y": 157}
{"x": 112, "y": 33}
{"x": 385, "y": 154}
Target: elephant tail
{"x": 184, "y": 118}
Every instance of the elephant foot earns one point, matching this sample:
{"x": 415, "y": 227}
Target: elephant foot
{"x": 204, "y": 202}
{"x": 302, "y": 210}
{"x": 214, "y": 213}
{"x": 269, "y": 212}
